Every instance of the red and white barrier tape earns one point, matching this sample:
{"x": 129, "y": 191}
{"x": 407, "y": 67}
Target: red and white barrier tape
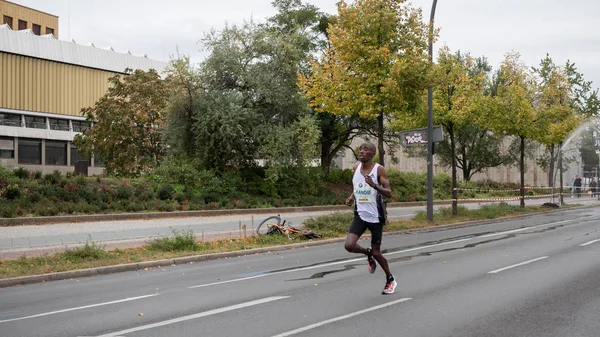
{"x": 510, "y": 198}
{"x": 512, "y": 190}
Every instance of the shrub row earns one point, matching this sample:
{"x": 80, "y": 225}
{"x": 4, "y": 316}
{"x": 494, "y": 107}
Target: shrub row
{"x": 180, "y": 185}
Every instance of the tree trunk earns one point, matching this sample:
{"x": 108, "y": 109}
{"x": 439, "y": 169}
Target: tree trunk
{"x": 454, "y": 173}
{"x": 325, "y": 157}
{"x": 551, "y": 167}
{"x": 466, "y": 170}
{"x": 560, "y": 167}
{"x": 380, "y": 143}
{"x": 522, "y": 169}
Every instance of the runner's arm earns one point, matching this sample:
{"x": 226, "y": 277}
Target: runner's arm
{"x": 384, "y": 186}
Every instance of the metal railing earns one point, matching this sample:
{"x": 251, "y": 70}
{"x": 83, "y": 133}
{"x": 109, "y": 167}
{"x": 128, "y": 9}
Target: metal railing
{"x": 59, "y": 127}
{"x": 10, "y": 122}
{"x": 35, "y": 125}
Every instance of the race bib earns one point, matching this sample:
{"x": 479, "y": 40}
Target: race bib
{"x": 363, "y": 192}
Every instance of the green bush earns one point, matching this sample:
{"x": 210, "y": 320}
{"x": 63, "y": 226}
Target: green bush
{"x": 160, "y": 206}
{"x": 13, "y": 192}
{"x": 179, "y": 241}
{"x": 8, "y": 210}
{"x": 124, "y": 191}
{"x": 143, "y": 191}
{"x": 332, "y": 225}
{"x": 90, "y": 251}
{"x": 22, "y": 173}
{"x": 54, "y": 178}
{"x": 165, "y": 192}
{"x": 6, "y": 175}
{"x": 300, "y": 181}
{"x": 337, "y": 176}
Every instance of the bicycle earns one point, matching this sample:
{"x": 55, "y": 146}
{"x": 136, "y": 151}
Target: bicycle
{"x": 272, "y": 225}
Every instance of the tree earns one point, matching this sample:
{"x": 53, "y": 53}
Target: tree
{"x": 248, "y": 85}
{"x": 376, "y": 64}
{"x": 458, "y": 92}
{"x": 584, "y": 99}
{"x": 554, "y": 103}
{"x": 184, "y": 101}
{"x": 127, "y": 124}
{"x": 477, "y": 149}
{"x": 512, "y": 110}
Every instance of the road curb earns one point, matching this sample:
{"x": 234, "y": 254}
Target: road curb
{"x": 217, "y": 256}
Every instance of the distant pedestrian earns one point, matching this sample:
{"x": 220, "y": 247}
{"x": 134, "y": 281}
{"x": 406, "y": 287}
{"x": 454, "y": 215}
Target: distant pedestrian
{"x": 577, "y": 184}
{"x": 593, "y": 185}
{"x": 572, "y": 187}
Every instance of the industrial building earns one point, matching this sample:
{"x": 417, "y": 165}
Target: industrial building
{"x": 44, "y": 84}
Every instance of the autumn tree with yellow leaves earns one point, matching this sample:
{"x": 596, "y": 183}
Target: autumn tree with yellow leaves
{"x": 376, "y": 65}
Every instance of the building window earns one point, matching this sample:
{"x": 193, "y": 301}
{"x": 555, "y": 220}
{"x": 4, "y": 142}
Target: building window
{"x": 35, "y": 122}
{"x": 10, "y": 119}
{"x": 7, "y": 148}
{"x": 22, "y": 24}
{"x": 97, "y": 161}
{"x": 8, "y": 20}
{"x": 56, "y": 152}
{"x": 37, "y": 29}
{"x": 79, "y": 126}
{"x": 50, "y": 31}
{"x": 76, "y": 156}
{"x": 30, "y": 151}
{"x": 59, "y": 124}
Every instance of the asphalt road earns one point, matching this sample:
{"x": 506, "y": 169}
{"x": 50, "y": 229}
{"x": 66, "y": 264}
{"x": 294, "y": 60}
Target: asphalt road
{"x": 534, "y": 277}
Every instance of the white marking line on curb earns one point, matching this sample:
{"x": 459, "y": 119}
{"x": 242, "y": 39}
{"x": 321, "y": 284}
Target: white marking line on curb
{"x": 194, "y": 316}
{"x": 517, "y": 265}
{"x": 79, "y": 308}
{"x": 324, "y": 265}
{"x": 589, "y": 243}
{"x": 316, "y": 325}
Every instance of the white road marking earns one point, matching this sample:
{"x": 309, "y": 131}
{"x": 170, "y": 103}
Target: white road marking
{"x": 325, "y": 264}
{"x": 517, "y": 265}
{"x": 360, "y": 312}
{"x": 523, "y": 229}
{"x": 194, "y": 316}
{"x": 79, "y": 308}
{"x": 589, "y": 243}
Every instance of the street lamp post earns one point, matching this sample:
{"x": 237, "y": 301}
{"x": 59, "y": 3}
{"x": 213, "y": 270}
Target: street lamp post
{"x": 430, "y": 124}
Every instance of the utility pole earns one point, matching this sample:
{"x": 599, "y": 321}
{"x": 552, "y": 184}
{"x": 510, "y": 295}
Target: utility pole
{"x": 430, "y": 124}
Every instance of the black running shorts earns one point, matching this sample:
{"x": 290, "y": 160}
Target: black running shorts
{"x": 359, "y": 226}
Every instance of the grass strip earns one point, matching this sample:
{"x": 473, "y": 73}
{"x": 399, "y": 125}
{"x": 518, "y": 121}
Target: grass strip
{"x": 183, "y": 243}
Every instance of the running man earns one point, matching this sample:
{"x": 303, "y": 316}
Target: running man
{"x": 370, "y": 182}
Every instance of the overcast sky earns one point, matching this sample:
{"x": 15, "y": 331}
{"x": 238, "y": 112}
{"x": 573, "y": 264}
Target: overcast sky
{"x": 564, "y": 29}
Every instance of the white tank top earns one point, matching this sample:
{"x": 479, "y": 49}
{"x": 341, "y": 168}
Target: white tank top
{"x": 365, "y": 196}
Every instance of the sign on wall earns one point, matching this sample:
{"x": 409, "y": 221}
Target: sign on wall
{"x": 419, "y": 136}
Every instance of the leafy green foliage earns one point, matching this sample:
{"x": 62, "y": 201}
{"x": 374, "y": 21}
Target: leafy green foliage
{"x": 376, "y": 65}
{"x": 179, "y": 241}
{"x": 90, "y": 251}
{"x": 127, "y": 123}
{"x": 165, "y": 192}
{"x": 332, "y": 225}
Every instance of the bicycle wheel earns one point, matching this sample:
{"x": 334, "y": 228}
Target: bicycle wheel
{"x": 266, "y": 224}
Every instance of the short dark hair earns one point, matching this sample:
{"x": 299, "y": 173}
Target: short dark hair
{"x": 369, "y": 145}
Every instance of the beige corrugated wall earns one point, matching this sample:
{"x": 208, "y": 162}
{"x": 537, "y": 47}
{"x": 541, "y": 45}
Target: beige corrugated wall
{"x": 44, "y": 86}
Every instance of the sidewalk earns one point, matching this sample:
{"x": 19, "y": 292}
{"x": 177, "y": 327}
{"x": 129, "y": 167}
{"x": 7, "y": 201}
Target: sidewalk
{"x": 35, "y": 240}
